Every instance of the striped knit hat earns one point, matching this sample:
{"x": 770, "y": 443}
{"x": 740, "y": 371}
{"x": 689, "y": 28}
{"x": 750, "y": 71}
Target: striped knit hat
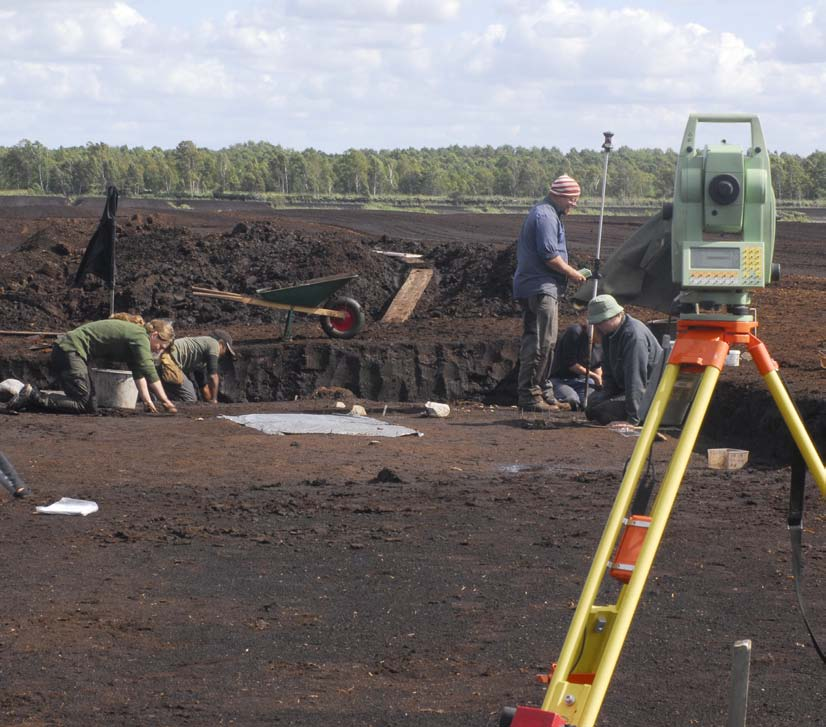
{"x": 565, "y": 186}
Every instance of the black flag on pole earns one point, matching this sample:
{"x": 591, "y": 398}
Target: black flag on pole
{"x": 99, "y": 258}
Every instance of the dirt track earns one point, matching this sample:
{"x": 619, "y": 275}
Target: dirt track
{"x": 232, "y": 577}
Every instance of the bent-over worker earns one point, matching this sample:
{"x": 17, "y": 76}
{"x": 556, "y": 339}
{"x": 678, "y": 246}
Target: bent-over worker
{"x": 197, "y": 358}
{"x": 110, "y": 340}
{"x": 570, "y": 364}
{"x": 631, "y": 354}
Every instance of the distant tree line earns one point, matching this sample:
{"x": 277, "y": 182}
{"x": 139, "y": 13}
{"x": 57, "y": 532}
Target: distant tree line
{"x": 458, "y": 171}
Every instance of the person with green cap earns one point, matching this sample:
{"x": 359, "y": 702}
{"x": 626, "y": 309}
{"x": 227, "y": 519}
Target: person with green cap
{"x": 542, "y": 274}
{"x": 631, "y": 354}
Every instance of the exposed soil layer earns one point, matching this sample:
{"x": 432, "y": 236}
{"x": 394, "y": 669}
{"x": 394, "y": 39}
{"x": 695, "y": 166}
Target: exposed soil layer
{"x": 459, "y": 344}
{"x": 232, "y": 577}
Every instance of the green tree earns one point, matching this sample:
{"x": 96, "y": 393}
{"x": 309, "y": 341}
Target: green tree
{"x": 187, "y": 161}
{"x": 351, "y": 172}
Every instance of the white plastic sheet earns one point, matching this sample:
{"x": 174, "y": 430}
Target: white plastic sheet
{"x": 321, "y": 424}
{"x": 69, "y": 506}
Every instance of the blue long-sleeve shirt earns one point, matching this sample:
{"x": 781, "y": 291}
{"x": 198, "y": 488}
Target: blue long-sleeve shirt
{"x": 541, "y": 238}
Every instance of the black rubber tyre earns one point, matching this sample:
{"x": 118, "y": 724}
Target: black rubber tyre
{"x": 506, "y": 716}
{"x": 668, "y": 210}
{"x": 343, "y": 327}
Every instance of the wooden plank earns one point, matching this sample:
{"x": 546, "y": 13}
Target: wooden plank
{"x": 29, "y": 333}
{"x": 408, "y": 296}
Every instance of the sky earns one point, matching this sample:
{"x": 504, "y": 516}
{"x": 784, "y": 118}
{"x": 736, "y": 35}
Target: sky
{"x": 387, "y": 74}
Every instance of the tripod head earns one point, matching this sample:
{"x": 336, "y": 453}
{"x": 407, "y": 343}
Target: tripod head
{"x": 723, "y": 224}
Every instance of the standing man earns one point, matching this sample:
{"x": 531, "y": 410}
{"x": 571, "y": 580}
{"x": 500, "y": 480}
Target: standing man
{"x": 631, "y": 354}
{"x": 197, "y": 359}
{"x": 542, "y": 274}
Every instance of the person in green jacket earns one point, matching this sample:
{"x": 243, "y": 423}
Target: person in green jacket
{"x": 110, "y": 340}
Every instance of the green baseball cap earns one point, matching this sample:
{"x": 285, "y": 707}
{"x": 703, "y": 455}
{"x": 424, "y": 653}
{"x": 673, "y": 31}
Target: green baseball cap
{"x": 603, "y": 307}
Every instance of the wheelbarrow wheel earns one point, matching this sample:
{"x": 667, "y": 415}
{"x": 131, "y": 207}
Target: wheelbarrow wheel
{"x": 348, "y": 326}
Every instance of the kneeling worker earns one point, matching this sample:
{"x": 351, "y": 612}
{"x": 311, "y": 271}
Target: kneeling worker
{"x": 630, "y": 353}
{"x": 195, "y": 358}
{"x": 110, "y": 340}
{"x": 570, "y": 364}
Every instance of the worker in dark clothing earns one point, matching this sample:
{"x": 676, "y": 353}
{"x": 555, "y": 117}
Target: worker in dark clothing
{"x": 570, "y": 364}
{"x": 110, "y": 340}
{"x": 197, "y": 360}
{"x": 631, "y": 355}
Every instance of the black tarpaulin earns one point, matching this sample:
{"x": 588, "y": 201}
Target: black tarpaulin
{"x": 99, "y": 258}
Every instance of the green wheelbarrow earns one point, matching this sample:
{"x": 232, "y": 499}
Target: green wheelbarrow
{"x": 341, "y": 317}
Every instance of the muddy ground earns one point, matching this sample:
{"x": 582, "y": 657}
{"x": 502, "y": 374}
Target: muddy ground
{"x": 232, "y": 577}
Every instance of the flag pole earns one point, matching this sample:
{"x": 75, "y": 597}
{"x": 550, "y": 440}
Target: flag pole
{"x": 112, "y": 272}
{"x": 112, "y": 196}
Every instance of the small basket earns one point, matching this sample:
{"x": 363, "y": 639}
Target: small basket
{"x": 727, "y": 459}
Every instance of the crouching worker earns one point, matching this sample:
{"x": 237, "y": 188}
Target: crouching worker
{"x": 631, "y": 355}
{"x": 570, "y": 363}
{"x": 112, "y": 340}
{"x": 195, "y": 361}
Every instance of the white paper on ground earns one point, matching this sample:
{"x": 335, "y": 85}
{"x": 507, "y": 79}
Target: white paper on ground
{"x": 320, "y": 424}
{"x": 69, "y": 506}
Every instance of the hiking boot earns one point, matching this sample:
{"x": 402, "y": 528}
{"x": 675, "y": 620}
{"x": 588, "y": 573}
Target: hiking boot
{"x": 22, "y": 398}
{"x": 539, "y": 405}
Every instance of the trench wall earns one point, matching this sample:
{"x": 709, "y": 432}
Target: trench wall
{"x": 741, "y": 417}
{"x": 477, "y": 370}
{"x": 379, "y": 372}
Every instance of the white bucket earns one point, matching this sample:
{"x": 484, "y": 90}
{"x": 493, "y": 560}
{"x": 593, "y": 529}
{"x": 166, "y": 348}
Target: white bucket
{"x": 114, "y": 389}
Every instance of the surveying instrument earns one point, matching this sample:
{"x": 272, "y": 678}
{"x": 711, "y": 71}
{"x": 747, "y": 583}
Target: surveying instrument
{"x": 722, "y": 237}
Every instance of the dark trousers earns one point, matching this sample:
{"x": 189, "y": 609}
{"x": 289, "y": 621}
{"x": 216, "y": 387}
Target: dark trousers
{"x": 540, "y": 323}
{"x": 72, "y": 375}
{"x": 606, "y": 408}
{"x": 184, "y": 391}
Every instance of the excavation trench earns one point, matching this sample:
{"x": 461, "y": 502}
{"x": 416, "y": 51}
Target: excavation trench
{"x": 742, "y": 415}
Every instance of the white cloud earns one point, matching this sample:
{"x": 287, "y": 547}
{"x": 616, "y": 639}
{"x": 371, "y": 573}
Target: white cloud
{"x": 395, "y": 72}
{"x": 406, "y": 11}
{"x": 802, "y": 38}
{"x": 28, "y": 82}
{"x": 84, "y": 29}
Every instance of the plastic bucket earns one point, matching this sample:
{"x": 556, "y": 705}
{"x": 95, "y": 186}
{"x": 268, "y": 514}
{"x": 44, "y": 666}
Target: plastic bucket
{"x": 114, "y": 389}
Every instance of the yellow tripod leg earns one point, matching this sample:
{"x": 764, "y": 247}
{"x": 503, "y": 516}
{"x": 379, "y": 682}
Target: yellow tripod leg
{"x": 796, "y": 428}
{"x": 660, "y": 513}
{"x": 612, "y": 528}
{"x": 580, "y": 703}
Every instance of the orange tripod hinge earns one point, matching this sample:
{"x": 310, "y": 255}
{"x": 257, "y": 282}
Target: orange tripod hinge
{"x": 706, "y": 343}
{"x": 572, "y": 678}
{"x": 761, "y": 357}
